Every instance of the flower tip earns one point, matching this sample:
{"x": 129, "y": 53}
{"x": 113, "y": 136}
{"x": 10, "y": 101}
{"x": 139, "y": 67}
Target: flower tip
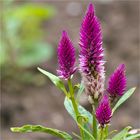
{"x": 64, "y": 33}
{"x": 105, "y": 98}
{"x": 90, "y": 8}
{"x": 122, "y": 66}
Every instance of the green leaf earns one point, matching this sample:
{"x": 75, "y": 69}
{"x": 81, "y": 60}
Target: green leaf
{"x": 82, "y": 110}
{"x": 69, "y": 107}
{"x": 133, "y": 137}
{"x": 133, "y": 134}
{"x": 54, "y": 79}
{"x": 113, "y": 131}
{"x": 121, "y": 135}
{"x": 39, "y": 128}
{"x": 124, "y": 98}
{"x": 86, "y": 113}
{"x": 76, "y": 135}
{"x": 88, "y": 134}
{"x": 80, "y": 91}
{"x": 83, "y": 113}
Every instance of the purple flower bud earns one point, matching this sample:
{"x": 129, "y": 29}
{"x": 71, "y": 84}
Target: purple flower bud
{"x": 92, "y": 54}
{"x": 117, "y": 82}
{"x": 66, "y": 57}
{"x": 103, "y": 112}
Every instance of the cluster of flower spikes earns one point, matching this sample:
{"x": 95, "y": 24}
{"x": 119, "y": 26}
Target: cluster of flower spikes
{"x": 116, "y": 87}
{"x": 91, "y": 61}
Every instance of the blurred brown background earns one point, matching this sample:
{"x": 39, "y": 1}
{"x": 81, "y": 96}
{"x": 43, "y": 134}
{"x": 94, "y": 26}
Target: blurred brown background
{"x": 28, "y": 97}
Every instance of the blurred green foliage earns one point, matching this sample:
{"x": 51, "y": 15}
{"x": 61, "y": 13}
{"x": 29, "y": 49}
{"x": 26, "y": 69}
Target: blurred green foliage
{"x": 22, "y": 43}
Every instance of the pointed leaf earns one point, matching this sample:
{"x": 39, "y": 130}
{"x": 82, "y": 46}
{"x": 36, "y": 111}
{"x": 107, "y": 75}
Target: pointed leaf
{"x": 69, "y": 108}
{"x": 113, "y": 131}
{"x": 76, "y": 135}
{"x": 133, "y": 137}
{"x": 133, "y": 134}
{"x": 124, "y": 98}
{"x": 82, "y": 110}
{"x": 54, "y": 79}
{"x": 122, "y": 135}
{"x": 88, "y": 134}
{"x": 39, "y": 128}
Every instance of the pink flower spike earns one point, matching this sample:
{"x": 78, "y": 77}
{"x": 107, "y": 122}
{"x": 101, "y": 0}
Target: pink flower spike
{"x": 66, "y": 57}
{"x": 103, "y": 112}
{"x": 117, "y": 82}
{"x": 92, "y": 54}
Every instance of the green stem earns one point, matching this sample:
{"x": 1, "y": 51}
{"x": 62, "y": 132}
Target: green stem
{"x": 74, "y": 105}
{"x": 94, "y": 126}
{"x": 106, "y": 131}
{"x": 101, "y": 133}
{"x": 72, "y": 97}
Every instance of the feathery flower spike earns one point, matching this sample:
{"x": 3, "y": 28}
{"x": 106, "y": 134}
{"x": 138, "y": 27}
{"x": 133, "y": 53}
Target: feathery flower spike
{"x": 92, "y": 54}
{"x": 117, "y": 82}
{"x": 66, "y": 57}
{"x": 103, "y": 112}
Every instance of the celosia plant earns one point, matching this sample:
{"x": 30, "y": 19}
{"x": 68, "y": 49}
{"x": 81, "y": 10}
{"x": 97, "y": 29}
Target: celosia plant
{"x": 104, "y": 102}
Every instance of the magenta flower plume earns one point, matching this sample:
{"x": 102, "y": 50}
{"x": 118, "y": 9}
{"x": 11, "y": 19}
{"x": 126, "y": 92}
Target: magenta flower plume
{"x": 103, "y": 112}
{"x": 66, "y": 57}
{"x": 117, "y": 82}
{"x": 92, "y": 54}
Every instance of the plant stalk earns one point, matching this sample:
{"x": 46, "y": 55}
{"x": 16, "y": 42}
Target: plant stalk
{"x": 94, "y": 123}
{"x": 74, "y": 105}
{"x": 106, "y": 131}
{"x": 101, "y": 133}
